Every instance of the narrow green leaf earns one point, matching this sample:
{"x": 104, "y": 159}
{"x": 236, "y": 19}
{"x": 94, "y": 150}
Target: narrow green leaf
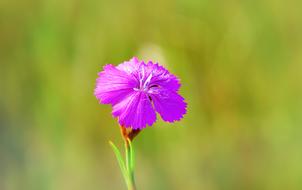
{"x": 120, "y": 162}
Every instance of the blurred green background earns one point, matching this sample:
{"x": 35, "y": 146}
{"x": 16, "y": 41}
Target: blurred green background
{"x": 240, "y": 63}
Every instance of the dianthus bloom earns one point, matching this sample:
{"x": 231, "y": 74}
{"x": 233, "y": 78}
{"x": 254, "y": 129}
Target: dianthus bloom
{"x": 136, "y": 90}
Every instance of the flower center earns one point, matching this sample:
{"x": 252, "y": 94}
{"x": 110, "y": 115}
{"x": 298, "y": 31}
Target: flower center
{"x": 144, "y": 83}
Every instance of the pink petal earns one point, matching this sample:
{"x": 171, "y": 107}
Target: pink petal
{"x": 135, "y": 111}
{"x": 169, "y": 104}
{"x": 113, "y": 84}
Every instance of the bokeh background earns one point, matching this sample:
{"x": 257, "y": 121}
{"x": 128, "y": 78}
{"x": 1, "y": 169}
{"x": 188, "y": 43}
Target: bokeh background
{"x": 240, "y": 63}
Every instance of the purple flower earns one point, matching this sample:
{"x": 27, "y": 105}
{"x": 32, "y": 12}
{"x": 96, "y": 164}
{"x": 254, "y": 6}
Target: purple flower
{"x": 136, "y": 90}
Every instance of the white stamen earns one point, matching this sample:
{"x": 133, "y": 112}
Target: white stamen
{"x": 147, "y": 81}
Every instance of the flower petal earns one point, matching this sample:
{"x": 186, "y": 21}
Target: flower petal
{"x": 135, "y": 111}
{"x": 169, "y": 104}
{"x": 158, "y": 74}
{"x": 161, "y": 77}
{"x": 131, "y": 66}
{"x": 113, "y": 84}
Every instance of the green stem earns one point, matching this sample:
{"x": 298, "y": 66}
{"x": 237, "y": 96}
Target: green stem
{"x": 121, "y": 164}
{"x": 127, "y": 166}
{"x": 130, "y": 164}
